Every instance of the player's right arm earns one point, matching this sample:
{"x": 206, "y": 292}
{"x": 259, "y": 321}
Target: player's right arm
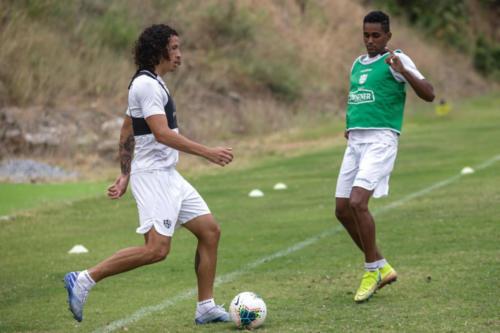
{"x": 126, "y": 152}
{"x": 163, "y": 134}
{"x": 422, "y": 87}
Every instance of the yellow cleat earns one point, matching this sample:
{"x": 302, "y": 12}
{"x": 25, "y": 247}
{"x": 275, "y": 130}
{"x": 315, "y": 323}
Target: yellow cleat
{"x": 369, "y": 285}
{"x": 388, "y": 275}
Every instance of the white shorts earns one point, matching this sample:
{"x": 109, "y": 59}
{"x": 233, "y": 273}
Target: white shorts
{"x": 165, "y": 200}
{"x": 366, "y": 165}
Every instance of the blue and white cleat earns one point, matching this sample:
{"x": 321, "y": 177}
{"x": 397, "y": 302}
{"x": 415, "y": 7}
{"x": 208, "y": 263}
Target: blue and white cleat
{"x": 214, "y": 315}
{"x": 76, "y": 295}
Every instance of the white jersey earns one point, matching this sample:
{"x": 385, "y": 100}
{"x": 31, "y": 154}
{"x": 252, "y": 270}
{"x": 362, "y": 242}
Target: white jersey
{"x": 147, "y": 97}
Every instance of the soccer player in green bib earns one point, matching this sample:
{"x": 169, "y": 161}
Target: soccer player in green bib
{"x": 374, "y": 118}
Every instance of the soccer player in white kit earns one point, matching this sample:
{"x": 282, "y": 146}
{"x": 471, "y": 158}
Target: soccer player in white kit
{"x": 374, "y": 120}
{"x": 165, "y": 200}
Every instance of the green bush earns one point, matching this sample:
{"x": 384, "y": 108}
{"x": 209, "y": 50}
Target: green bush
{"x": 116, "y": 30}
{"x": 228, "y": 24}
{"x": 279, "y": 76}
{"x": 486, "y": 57}
{"x": 238, "y": 34}
{"x": 106, "y": 24}
{"x": 43, "y": 8}
{"x": 445, "y": 20}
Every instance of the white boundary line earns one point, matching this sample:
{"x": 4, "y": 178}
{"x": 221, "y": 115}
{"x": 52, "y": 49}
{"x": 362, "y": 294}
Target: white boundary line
{"x": 229, "y": 277}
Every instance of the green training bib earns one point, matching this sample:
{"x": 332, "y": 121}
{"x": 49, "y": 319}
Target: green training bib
{"x": 376, "y": 99}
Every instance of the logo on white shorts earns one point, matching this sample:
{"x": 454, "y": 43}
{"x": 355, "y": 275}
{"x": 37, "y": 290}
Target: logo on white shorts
{"x": 167, "y": 223}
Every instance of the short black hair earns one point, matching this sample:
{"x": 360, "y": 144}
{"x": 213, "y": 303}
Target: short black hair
{"x": 378, "y": 16}
{"x": 151, "y": 46}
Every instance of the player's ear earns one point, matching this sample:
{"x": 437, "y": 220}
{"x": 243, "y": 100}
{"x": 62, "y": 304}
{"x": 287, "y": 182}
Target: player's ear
{"x": 389, "y": 35}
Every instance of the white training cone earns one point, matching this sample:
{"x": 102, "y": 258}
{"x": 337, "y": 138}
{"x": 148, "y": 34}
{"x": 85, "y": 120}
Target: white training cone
{"x": 256, "y": 193}
{"x": 280, "y": 186}
{"x": 77, "y": 249}
{"x": 467, "y": 171}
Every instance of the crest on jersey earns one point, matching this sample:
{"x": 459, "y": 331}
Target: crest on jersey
{"x": 362, "y": 78}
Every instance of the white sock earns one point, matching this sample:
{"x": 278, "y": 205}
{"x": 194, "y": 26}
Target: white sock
{"x": 204, "y": 306}
{"x": 371, "y": 266}
{"x": 84, "y": 280}
{"x": 381, "y": 263}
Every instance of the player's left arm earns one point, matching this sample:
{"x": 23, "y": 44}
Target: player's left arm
{"x": 422, "y": 87}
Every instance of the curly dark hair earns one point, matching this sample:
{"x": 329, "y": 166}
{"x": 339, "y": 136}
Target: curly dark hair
{"x": 151, "y": 46}
{"x": 378, "y": 17}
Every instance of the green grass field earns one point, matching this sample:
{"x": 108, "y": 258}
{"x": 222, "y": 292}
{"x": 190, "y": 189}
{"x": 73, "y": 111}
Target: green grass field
{"x": 439, "y": 230}
{"x": 20, "y": 198}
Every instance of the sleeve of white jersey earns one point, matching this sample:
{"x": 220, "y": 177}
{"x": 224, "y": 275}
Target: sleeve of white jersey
{"x": 409, "y": 65}
{"x": 150, "y": 98}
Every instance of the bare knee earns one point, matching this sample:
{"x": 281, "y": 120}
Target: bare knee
{"x": 216, "y": 232}
{"x": 206, "y": 229}
{"x": 156, "y": 253}
{"x": 342, "y": 210}
{"x": 342, "y": 213}
{"x": 358, "y": 204}
{"x": 212, "y": 235}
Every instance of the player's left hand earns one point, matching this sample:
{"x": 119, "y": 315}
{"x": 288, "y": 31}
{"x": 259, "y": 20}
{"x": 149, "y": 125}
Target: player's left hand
{"x": 394, "y": 61}
{"x": 119, "y": 187}
{"x": 220, "y": 155}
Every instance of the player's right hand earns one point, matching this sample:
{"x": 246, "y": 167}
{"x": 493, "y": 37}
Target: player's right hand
{"x": 394, "y": 61}
{"x": 220, "y": 155}
{"x": 119, "y": 187}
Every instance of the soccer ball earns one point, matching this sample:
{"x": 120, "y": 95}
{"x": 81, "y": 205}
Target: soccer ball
{"x": 248, "y": 310}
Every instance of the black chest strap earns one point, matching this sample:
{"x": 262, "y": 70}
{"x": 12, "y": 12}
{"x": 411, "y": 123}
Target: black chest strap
{"x": 140, "y": 125}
